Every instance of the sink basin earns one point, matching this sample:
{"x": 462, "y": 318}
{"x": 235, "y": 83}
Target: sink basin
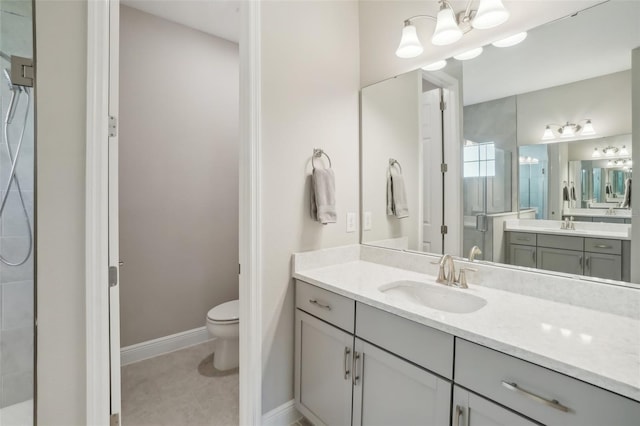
{"x": 434, "y": 296}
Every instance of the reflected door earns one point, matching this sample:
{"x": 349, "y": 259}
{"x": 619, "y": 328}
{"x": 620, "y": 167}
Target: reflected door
{"x": 432, "y": 183}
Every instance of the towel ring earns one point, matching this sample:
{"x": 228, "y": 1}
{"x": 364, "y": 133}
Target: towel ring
{"x": 393, "y": 162}
{"x": 317, "y": 153}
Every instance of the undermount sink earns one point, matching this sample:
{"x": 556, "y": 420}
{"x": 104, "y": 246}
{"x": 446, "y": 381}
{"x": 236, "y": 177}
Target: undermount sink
{"x": 434, "y": 296}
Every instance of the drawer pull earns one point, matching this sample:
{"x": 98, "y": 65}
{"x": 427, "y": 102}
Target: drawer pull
{"x": 347, "y": 352}
{"x": 523, "y": 238}
{"x": 320, "y": 305}
{"x": 548, "y": 402}
{"x": 603, "y": 246}
{"x": 459, "y": 412}
{"x": 355, "y": 376}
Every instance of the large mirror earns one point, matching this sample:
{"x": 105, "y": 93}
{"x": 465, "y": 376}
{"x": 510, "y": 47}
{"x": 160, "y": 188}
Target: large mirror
{"x": 525, "y": 152}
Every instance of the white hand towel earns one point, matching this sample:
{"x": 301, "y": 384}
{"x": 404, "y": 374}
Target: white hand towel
{"x": 396, "y": 194}
{"x": 323, "y": 196}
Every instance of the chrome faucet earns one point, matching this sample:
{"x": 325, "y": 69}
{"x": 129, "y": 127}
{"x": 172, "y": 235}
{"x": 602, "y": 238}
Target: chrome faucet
{"x": 475, "y": 251}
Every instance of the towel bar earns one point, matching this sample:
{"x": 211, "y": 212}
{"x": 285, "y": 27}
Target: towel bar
{"x": 393, "y": 161}
{"x": 317, "y": 153}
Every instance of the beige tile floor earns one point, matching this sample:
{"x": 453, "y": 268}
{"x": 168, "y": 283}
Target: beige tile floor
{"x": 179, "y": 389}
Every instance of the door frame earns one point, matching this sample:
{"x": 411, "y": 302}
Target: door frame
{"x": 99, "y": 61}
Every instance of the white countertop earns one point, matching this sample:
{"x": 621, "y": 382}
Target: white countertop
{"x": 616, "y": 231}
{"x": 597, "y": 347}
{"x": 618, "y": 213}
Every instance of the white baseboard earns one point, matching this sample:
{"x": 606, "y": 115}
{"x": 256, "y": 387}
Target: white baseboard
{"x": 163, "y": 345}
{"x": 284, "y": 415}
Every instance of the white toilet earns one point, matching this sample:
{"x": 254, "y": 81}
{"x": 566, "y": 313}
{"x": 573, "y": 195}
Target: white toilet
{"x": 223, "y": 324}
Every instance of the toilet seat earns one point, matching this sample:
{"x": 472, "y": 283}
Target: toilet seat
{"x": 225, "y": 313}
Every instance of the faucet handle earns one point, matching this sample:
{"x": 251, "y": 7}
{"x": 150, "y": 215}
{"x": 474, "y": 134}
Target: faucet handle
{"x": 442, "y": 278}
{"x": 462, "y": 278}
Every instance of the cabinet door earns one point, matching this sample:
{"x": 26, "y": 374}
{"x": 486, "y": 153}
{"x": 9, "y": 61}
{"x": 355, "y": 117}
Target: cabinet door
{"x": 603, "y": 266}
{"x": 559, "y": 260}
{"x": 472, "y": 410}
{"x": 391, "y": 391}
{"x": 522, "y": 255}
{"x": 323, "y": 389}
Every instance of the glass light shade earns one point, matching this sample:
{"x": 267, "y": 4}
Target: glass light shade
{"x": 410, "y": 45}
{"x": 588, "y": 129}
{"x": 629, "y": 163}
{"x": 595, "y": 153}
{"x": 435, "y": 66}
{"x": 491, "y": 13}
{"x": 447, "y": 30}
{"x": 624, "y": 151}
{"x": 568, "y": 131}
{"x": 511, "y": 40}
{"x": 548, "y": 134}
{"x": 609, "y": 152}
{"x": 610, "y": 163}
{"x": 469, "y": 54}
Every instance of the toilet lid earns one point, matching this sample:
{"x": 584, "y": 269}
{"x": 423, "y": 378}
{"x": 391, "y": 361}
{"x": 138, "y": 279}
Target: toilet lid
{"x": 227, "y": 311}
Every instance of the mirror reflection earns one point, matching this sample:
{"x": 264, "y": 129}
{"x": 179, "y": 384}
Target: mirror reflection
{"x": 523, "y": 153}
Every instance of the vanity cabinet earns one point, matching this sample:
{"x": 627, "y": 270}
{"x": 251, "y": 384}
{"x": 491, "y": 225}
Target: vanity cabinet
{"x": 523, "y": 255}
{"x": 559, "y": 260}
{"x": 470, "y": 409}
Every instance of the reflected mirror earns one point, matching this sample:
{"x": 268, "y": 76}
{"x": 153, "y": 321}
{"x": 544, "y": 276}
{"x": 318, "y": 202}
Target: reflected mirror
{"x": 523, "y": 151}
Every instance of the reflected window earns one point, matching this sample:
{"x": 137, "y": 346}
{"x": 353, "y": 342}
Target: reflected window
{"x": 479, "y": 159}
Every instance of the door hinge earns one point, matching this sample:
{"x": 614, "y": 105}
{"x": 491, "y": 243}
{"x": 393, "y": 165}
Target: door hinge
{"x": 113, "y": 126}
{"x": 444, "y": 168}
{"x": 444, "y": 229}
{"x": 443, "y": 105}
{"x": 239, "y": 269}
{"x": 113, "y": 276}
{"x": 114, "y": 420}
{"x": 22, "y": 73}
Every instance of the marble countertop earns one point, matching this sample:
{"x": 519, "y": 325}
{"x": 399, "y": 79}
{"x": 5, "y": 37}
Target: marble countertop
{"x": 619, "y": 213}
{"x": 597, "y": 347}
{"x": 583, "y": 229}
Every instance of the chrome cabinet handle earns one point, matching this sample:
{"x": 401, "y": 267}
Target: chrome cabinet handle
{"x": 580, "y": 261}
{"x": 355, "y": 376}
{"x": 603, "y": 246}
{"x": 347, "y": 352}
{"x": 320, "y": 305}
{"x": 459, "y": 412}
{"x": 548, "y": 402}
{"x": 588, "y": 266}
{"x": 535, "y": 256}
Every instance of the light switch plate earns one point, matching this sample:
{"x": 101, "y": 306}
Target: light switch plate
{"x": 351, "y": 222}
{"x": 366, "y": 221}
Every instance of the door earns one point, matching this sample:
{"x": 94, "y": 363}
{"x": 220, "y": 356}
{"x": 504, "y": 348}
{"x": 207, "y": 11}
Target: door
{"x": 114, "y": 253}
{"x": 323, "y": 380}
{"x": 559, "y": 260}
{"x": 432, "y": 182}
{"x": 522, "y": 255}
{"x": 391, "y": 391}
{"x": 600, "y": 265}
{"x": 472, "y": 410}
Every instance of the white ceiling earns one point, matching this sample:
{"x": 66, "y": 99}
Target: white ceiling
{"x": 596, "y": 42}
{"x": 220, "y": 18}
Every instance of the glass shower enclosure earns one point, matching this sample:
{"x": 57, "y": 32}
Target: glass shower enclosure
{"x": 16, "y": 214}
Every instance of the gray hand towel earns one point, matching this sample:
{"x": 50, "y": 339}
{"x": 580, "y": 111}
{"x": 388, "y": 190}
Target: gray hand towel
{"x": 396, "y": 194}
{"x": 323, "y": 196}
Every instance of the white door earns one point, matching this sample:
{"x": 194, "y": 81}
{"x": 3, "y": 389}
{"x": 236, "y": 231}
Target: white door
{"x": 114, "y": 252}
{"x": 431, "y": 146}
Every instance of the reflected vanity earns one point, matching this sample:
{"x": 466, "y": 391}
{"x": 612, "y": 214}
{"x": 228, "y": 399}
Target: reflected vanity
{"x": 513, "y": 145}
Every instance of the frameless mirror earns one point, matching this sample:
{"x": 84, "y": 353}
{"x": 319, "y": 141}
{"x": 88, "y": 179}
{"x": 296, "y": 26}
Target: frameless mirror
{"x": 511, "y": 154}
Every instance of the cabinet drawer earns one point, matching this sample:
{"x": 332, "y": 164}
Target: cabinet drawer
{"x": 522, "y": 238}
{"x": 523, "y": 387}
{"x": 561, "y": 242}
{"x": 422, "y": 345}
{"x": 330, "y": 307}
{"x": 599, "y": 245}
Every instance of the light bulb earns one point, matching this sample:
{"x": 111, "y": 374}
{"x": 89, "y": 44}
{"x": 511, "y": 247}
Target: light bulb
{"x": 588, "y": 129}
{"x": 410, "y": 45}
{"x": 469, "y": 54}
{"x": 491, "y": 13}
{"x": 548, "y": 134}
{"x": 511, "y": 40}
{"x": 435, "y": 66}
{"x": 447, "y": 30}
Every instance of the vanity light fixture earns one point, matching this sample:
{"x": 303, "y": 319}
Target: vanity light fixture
{"x": 610, "y": 151}
{"x": 623, "y": 150}
{"x": 595, "y": 153}
{"x": 528, "y": 160}
{"x": 451, "y": 27}
{"x": 469, "y": 54}
{"x": 569, "y": 130}
{"x": 435, "y": 66}
{"x": 511, "y": 40}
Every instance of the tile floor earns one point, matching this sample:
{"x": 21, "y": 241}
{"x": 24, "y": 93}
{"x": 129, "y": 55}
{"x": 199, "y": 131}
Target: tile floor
{"x": 179, "y": 388}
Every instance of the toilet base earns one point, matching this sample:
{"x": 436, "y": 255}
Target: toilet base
{"x": 226, "y": 354}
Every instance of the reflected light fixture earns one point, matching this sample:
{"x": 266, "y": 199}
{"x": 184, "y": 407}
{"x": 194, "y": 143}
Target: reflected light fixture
{"x": 587, "y": 129}
{"x": 450, "y": 27}
{"x": 595, "y": 153}
{"x": 623, "y": 150}
{"x": 511, "y": 40}
{"x": 568, "y": 130}
{"x": 548, "y": 134}
{"x": 435, "y": 66}
{"x": 469, "y": 54}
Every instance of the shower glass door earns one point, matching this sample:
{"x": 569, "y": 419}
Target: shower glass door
{"x": 16, "y": 214}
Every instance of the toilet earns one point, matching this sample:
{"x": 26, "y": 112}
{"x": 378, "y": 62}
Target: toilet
{"x": 223, "y": 324}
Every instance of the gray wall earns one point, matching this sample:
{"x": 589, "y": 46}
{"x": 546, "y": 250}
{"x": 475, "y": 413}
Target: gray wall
{"x": 635, "y": 195}
{"x": 61, "y": 44}
{"x": 178, "y": 175}
{"x": 310, "y": 81}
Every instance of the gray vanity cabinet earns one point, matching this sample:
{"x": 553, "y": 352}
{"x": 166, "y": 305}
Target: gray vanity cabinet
{"x": 560, "y": 260}
{"x": 470, "y": 409}
{"x": 520, "y": 255}
{"x": 606, "y": 266}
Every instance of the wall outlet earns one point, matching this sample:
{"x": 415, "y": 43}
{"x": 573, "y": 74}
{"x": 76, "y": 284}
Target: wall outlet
{"x": 351, "y": 222}
{"x": 366, "y": 221}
